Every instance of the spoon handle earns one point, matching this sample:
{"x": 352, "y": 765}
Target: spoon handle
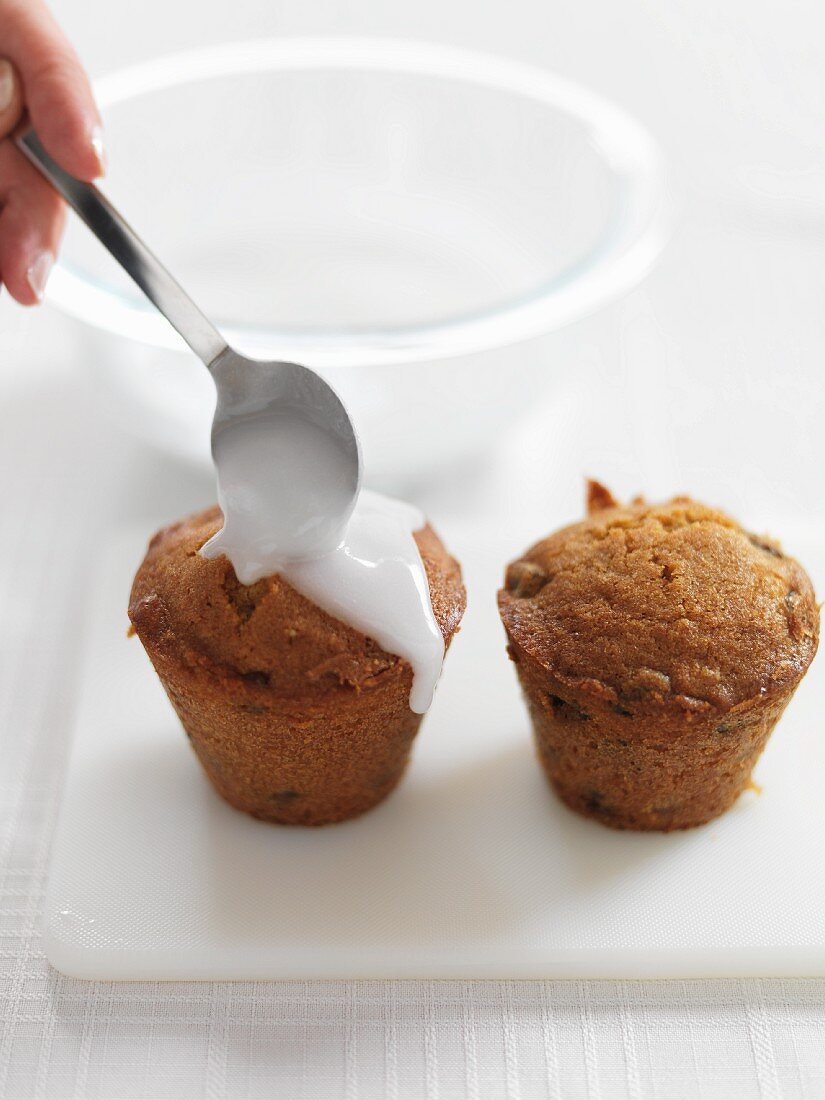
{"x": 118, "y": 237}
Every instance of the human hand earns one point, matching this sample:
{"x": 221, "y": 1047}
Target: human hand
{"x": 40, "y": 74}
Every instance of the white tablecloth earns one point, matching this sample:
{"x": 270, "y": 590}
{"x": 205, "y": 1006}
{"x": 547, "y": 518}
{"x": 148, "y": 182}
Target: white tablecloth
{"x": 726, "y": 341}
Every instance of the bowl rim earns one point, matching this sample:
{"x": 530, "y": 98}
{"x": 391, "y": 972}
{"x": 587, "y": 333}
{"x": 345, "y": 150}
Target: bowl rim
{"x": 630, "y": 244}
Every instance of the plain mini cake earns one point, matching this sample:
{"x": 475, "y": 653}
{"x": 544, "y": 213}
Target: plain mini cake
{"x": 656, "y": 645}
{"x": 296, "y": 717}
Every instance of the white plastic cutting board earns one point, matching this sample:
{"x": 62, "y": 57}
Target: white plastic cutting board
{"x": 471, "y": 869}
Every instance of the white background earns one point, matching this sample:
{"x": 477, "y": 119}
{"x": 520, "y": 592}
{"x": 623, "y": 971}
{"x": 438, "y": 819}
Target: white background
{"x": 707, "y": 379}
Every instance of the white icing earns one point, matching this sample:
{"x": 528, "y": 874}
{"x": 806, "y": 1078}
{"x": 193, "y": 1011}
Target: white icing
{"x": 283, "y": 489}
{"x": 375, "y": 581}
{"x": 286, "y": 511}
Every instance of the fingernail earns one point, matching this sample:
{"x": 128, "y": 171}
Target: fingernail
{"x": 38, "y": 273}
{"x": 96, "y": 141}
{"x": 6, "y": 84}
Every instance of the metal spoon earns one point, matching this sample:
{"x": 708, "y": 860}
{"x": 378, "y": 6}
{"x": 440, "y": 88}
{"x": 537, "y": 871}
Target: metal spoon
{"x": 245, "y": 387}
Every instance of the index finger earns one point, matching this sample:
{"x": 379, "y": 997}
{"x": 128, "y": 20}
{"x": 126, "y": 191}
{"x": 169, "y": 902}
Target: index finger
{"x": 56, "y": 89}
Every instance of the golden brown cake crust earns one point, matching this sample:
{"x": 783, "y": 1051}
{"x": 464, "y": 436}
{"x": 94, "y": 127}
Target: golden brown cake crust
{"x": 656, "y": 645}
{"x": 663, "y": 605}
{"x": 267, "y": 633}
{"x": 295, "y": 716}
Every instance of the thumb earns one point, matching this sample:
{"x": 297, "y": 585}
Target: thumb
{"x": 11, "y": 98}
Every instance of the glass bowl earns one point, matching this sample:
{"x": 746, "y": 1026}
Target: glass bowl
{"x": 413, "y": 220}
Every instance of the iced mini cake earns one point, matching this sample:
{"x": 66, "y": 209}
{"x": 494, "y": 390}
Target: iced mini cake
{"x": 296, "y": 716}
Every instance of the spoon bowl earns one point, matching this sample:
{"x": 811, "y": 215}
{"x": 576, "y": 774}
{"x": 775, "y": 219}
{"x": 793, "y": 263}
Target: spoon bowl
{"x": 285, "y": 417}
